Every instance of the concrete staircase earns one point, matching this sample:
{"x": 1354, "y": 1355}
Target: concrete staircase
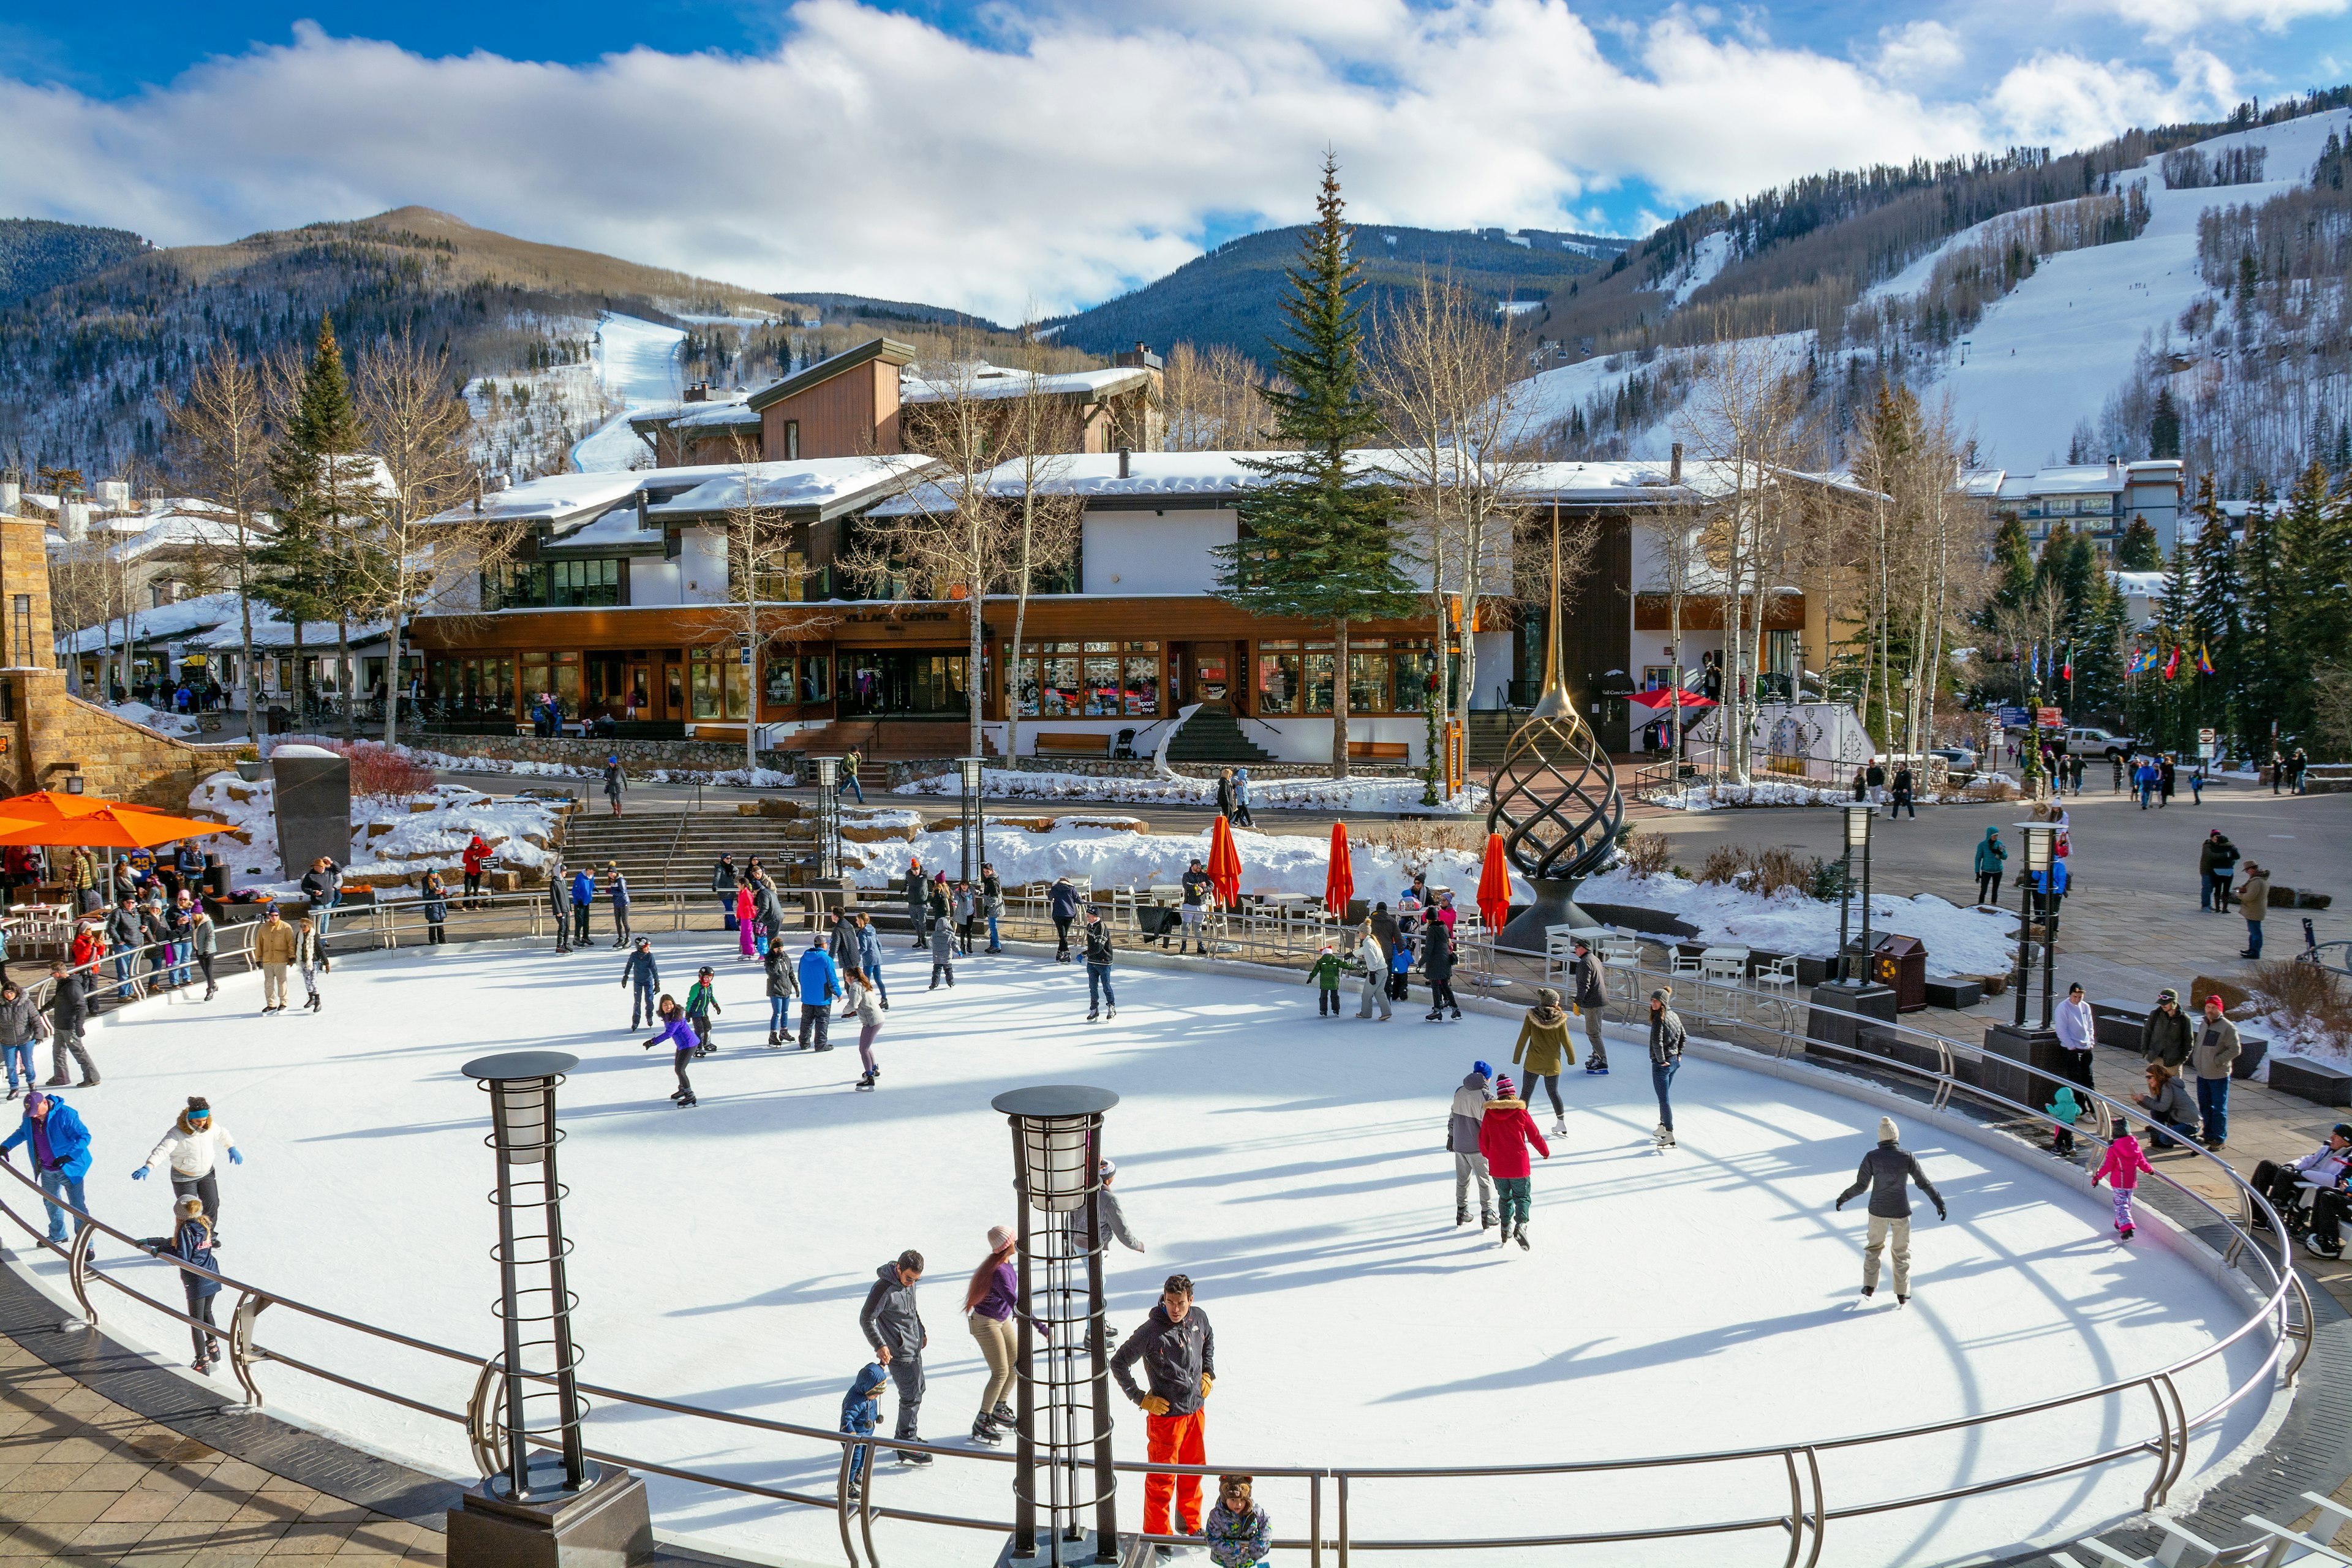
{"x": 1490, "y": 734}
{"x": 660, "y": 850}
{"x": 1213, "y": 735}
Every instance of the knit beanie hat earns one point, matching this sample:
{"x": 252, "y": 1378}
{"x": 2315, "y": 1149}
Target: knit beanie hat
{"x": 1504, "y": 1087}
{"x": 1886, "y": 1133}
{"x": 1000, "y": 1236}
{"x": 1482, "y": 1070}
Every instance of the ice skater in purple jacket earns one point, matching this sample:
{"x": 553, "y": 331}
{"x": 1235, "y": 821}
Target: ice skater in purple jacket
{"x": 678, "y": 1030}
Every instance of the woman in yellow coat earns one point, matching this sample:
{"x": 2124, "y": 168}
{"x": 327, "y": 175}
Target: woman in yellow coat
{"x": 1545, "y": 1048}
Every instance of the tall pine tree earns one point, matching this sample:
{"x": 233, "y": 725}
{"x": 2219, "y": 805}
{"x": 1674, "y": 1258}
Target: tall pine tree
{"x": 1312, "y": 544}
{"x": 323, "y": 480}
{"x": 2216, "y": 626}
{"x": 2137, "y": 550}
{"x": 2267, "y": 685}
{"x": 2012, "y": 564}
{"x": 2314, "y": 610}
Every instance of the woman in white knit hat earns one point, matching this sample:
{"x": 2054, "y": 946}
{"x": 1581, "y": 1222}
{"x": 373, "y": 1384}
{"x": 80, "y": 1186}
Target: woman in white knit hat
{"x": 990, "y": 1303}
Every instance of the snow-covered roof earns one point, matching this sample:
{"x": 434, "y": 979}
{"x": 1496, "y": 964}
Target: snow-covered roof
{"x": 715, "y": 415}
{"x": 824, "y": 485}
{"x": 1159, "y": 476}
{"x": 2086, "y": 479}
{"x": 983, "y": 380}
{"x": 1986, "y": 482}
{"x": 621, "y": 528}
{"x": 558, "y": 497}
{"x": 162, "y": 623}
{"x": 317, "y": 636}
{"x": 2138, "y": 584}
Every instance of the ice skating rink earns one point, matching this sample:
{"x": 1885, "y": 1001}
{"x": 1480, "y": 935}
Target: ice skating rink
{"x": 1703, "y": 1300}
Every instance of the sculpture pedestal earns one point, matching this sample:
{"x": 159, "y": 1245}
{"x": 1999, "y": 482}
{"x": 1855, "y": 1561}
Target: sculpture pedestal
{"x": 1555, "y": 905}
{"x": 605, "y": 1524}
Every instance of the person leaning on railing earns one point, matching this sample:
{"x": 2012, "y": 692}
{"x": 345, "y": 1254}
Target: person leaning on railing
{"x": 2168, "y": 1107}
{"x": 59, "y": 1145}
{"x": 69, "y": 1011}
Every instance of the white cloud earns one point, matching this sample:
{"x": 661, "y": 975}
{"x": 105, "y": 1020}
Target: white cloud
{"x": 1075, "y": 157}
{"x": 2066, "y": 100}
{"x": 1918, "y": 51}
{"x": 2177, "y": 18}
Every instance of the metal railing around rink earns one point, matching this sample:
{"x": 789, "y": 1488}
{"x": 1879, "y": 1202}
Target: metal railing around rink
{"x": 1939, "y": 1076}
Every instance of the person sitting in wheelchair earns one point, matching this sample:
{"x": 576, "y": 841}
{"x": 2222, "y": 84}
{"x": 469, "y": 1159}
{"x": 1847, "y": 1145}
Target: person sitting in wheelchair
{"x": 2324, "y": 1171}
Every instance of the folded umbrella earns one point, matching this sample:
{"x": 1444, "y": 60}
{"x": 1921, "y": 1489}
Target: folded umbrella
{"x": 1339, "y": 884}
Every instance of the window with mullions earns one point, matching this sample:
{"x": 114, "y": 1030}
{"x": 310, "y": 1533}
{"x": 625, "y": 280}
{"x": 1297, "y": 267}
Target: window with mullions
{"x": 719, "y": 684}
{"x": 1092, "y": 680}
{"x": 583, "y": 583}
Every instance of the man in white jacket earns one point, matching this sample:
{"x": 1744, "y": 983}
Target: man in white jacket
{"x": 193, "y": 1147}
{"x": 2077, "y": 1033}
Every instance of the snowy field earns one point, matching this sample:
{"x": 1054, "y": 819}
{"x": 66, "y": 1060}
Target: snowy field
{"x": 1700, "y": 1300}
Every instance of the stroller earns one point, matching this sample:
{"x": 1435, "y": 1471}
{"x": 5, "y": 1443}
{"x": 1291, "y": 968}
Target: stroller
{"x": 1122, "y": 747}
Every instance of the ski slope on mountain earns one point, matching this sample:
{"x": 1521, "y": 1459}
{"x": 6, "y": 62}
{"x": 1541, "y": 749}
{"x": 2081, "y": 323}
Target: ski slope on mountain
{"x": 2048, "y": 353}
{"x": 637, "y": 362}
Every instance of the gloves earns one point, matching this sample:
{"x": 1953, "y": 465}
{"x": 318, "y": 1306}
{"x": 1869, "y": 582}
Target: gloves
{"x": 1941, "y": 1213}
{"x": 1839, "y": 1206}
{"x": 1207, "y": 1384}
{"x": 140, "y": 1174}
{"x": 1154, "y": 1405}
{"x": 236, "y": 1156}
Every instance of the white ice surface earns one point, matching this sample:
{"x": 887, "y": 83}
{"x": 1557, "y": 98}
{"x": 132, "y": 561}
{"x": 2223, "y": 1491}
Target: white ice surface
{"x": 637, "y": 362}
{"x": 1703, "y": 1300}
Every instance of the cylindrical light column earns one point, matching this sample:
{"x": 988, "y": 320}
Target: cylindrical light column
{"x": 1056, "y": 1157}
{"x": 828, "y": 820}
{"x": 2039, "y": 838}
{"x": 1857, "y": 836}
{"x": 974, "y": 850}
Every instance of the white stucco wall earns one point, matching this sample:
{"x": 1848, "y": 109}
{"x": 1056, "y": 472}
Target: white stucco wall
{"x": 653, "y": 581}
{"x": 1153, "y": 553}
{"x": 702, "y": 566}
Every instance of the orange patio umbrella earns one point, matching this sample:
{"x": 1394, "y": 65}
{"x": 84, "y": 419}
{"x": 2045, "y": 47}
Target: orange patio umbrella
{"x": 112, "y": 827}
{"x": 1224, "y": 862}
{"x": 1495, "y": 886}
{"x": 1339, "y": 885}
{"x": 48, "y": 805}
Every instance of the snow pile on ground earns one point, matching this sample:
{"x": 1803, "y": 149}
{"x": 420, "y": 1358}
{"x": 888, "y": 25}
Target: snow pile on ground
{"x": 1292, "y": 1166}
{"x": 154, "y": 719}
{"x": 1117, "y": 857}
{"x": 1388, "y": 795}
{"x": 1717, "y": 797}
{"x": 1960, "y": 941}
{"x": 392, "y": 840}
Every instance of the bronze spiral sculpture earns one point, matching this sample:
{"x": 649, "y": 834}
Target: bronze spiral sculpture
{"x": 1555, "y": 799}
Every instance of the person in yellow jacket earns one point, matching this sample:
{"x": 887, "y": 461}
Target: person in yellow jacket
{"x": 1545, "y": 1048}
{"x": 274, "y": 947}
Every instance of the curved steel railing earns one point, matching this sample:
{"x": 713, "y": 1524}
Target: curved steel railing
{"x": 1768, "y": 1026}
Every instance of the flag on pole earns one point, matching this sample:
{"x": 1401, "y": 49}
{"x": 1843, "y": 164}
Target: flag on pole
{"x": 2204, "y": 660}
{"x": 2067, "y": 671}
{"x": 2172, "y": 665}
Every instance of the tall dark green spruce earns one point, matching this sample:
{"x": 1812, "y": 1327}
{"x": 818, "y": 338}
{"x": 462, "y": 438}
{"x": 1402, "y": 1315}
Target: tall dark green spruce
{"x": 2217, "y": 611}
{"x": 2012, "y": 564}
{"x": 2138, "y": 550}
{"x": 321, "y": 477}
{"x": 2315, "y": 548}
{"x": 1311, "y": 543}
{"x": 2267, "y": 680}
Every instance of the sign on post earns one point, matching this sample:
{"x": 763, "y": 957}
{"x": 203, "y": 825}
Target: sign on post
{"x": 2052, "y": 719}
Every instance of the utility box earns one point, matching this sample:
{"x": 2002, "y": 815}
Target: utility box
{"x": 1900, "y": 963}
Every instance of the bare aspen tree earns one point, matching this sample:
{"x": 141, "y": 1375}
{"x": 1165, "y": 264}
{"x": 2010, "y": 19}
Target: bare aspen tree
{"x": 760, "y": 557}
{"x": 420, "y": 429}
{"x": 1039, "y": 521}
{"x": 1746, "y": 419}
{"x": 1209, "y": 400}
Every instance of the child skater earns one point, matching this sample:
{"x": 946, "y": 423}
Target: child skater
{"x": 1238, "y": 1532}
{"x": 2063, "y": 1109}
{"x": 861, "y": 1412}
{"x": 1323, "y": 975}
{"x": 679, "y": 1032}
{"x": 2122, "y": 1168}
{"x": 701, "y": 1001}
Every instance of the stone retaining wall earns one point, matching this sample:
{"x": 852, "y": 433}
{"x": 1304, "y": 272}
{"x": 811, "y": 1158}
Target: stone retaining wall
{"x": 636, "y": 756}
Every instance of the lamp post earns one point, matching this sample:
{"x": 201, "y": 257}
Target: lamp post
{"x": 1056, "y": 1165}
{"x": 543, "y": 1500}
{"x": 1857, "y": 836}
{"x": 974, "y": 850}
{"x": 2040, "y": 840}
{"x": 828, "y": 819}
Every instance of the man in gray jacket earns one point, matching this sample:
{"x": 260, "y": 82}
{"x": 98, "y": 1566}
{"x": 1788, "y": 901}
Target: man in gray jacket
{"x": 2213, "y": 1059}
{"x": 1462, "y": 1123}
{"x": 1886, "y": 1171}
{"x": 21, "y": 1027}
{"x": 894, "y": 1328}
{"x": 559, "y": 897}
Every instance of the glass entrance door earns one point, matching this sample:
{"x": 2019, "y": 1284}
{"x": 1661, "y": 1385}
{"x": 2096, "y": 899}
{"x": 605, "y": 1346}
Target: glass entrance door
{"x": 892, "y": 682}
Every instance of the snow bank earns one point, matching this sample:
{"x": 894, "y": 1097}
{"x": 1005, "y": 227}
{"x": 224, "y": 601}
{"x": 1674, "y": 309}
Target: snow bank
{"x": 1960, "y": 941}
{"x": 1392, "y": 794}
{"x": 154, "y": 719}
{"x": 391, "y": 838}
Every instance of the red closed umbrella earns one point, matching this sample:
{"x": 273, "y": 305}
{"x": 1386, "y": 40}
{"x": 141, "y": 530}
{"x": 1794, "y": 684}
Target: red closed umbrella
{"x": 1224, "y": 862}
{"x": 1495, "y": 886}
{"x": 1339, "y": 886}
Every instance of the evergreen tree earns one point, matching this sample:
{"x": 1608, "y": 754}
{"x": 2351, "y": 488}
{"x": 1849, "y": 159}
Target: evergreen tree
{"x": 2012, "y": 564}
{"x": 2164, "y": 427}
{"x": 2265, "y": 686}
{"x": 2216, "y": 614}
{"x": 2098, "y": 652}
{"x": 1311, "y": 543}
{"x": 2137, "y": 550}
{"x": 322, "y": 480}
{"x": 2315, "y": 602}
{"x": 2175, "y": 615}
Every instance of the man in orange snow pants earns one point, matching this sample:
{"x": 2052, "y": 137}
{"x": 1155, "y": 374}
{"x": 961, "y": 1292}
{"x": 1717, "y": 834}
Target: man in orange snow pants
{"x": 1179, "y": 1351}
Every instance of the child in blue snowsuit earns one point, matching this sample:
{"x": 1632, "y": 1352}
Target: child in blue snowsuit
{"x": 641, "y": 971}
{"x": 861, "y": 1412}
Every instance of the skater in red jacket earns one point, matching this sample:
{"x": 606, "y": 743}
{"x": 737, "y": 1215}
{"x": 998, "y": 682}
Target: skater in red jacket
{"x": 1504, "y": 1135}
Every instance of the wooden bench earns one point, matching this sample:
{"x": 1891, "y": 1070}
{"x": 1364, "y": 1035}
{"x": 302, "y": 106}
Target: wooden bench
{"x": 2314, "y": 1081}
{"x": 1071, "y": 744}
{"x": 1379, "y": 751}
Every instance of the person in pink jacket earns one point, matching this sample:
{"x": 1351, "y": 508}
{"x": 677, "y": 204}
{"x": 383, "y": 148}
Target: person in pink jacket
{"x": 2121, "y": 1169}
{"x": 746, "y": 928}
{"x": 1504, "y": 1134}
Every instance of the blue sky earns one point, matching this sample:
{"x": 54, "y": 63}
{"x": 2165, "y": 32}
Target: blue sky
{"x": 1039, "y": 154}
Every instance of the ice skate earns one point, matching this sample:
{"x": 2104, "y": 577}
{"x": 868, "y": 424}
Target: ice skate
{"x": 1868, "y": 1290}
{"x": 1461, "y": 1216}
{"x": 1457, "y": 1015}
{"x": 1093, "y": 1015}
{"x": 1487, "y": 1220}
{"x": 683, "y": 1101}
{"x": 910, "y": 1456}
{"x": 984, "y": 1431}
{"x": 866, "y": 1082}
{"x": 1108, "y": 1012}
{"x": 1521, "y": 1236}
{"x": 1003, "y": 1416}
{"x": 1503, "y": 1237}
{"x": 1902, "y": 1300}
{"x": 1560, "y": 1127}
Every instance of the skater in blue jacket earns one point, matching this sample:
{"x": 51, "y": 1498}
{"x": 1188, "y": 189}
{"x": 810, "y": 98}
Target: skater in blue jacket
{"x": 641, "y": 971}
{"x": 820, "y": 989}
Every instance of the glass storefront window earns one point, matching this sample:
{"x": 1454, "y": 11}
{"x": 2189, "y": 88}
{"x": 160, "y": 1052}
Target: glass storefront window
{"x": 1101, "y": 689}
{"x": 1278, "y": 677}
{"x": 1141, "y": 691}
{"x": 1367, "y": 677}
{"x": 779, "y": 686}
{"x": 1413, "y": 666}
{"x": 1093, "y": 680}
{"x": 739, "y": 689}
{"x": 567, "y": 684}
{"x": 1319, "y": 663}
{"x": 708, "y": 684}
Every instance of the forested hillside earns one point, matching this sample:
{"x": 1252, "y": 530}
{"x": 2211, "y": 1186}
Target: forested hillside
{"x": 1231, "y": 298}
{"x": 80, "y": 363}
{"x": 37, "y": 255}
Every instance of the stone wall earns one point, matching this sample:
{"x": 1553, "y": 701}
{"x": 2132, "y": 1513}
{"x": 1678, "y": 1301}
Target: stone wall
{"x": 55, "y": 736}
{"x": 1097, "y": 768}
{"x": 636, "y": 756}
